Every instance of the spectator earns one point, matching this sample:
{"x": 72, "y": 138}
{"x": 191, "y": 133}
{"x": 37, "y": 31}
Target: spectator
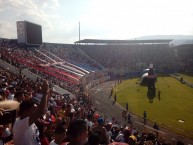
{"x": 5, "y": 134}
{"x": 12, "y": 93}
{"x": 145, "y": 117}
{"x": 89, "y": 121}
{"x": 100, "y": 130}
{"x": 159, "y": 95}
{"x": 124, "y": 114}
{"x": 126, "y": 106}
{"x": 179, "y": 143}
{"x": 60, "y": 133}
{"x": 24, "y": 130}
{"x": 3, "y": 95}
{"x": 19, "y": 96}
{"x": 156, "y": 127}
{"x": 93, "y": 139}
{"x": 78, "y": 132}
{"x": 108, "y": 132}
{"x": 115, "y": 98}
{"x": 42, "y": 127}
{"x": 129, "y": 116}
{"x": 123, "y": 136}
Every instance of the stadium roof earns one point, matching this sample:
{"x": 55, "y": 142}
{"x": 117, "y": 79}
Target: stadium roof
{"x": 97, "y": 41}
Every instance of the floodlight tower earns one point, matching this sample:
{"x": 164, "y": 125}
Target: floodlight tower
{"x": 79, "y": 30}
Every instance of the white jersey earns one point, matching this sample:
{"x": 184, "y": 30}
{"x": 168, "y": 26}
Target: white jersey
{"x": 23, "y": 134}
{"x": 10, "y": 97}
{"x": 53, "y": 143}
{"x": 89, "y": 123}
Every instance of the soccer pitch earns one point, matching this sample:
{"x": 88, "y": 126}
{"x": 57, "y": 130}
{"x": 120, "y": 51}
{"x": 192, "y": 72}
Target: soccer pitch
{"x": 176, "y": 103}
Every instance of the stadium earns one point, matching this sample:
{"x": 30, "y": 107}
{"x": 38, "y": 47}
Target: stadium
{"x": 99, "y": 81}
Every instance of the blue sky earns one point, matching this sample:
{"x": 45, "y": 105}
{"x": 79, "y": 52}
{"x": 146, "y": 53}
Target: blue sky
{"x": 99, "y": 19}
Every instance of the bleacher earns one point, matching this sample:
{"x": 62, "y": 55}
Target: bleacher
{"x": 62, "y": 65}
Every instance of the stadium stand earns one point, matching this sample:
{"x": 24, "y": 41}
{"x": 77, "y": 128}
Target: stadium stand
{"x": 61, "y": 64}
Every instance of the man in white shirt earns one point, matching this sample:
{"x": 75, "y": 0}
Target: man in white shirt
{"x": 25, "y": 132}
{"x": 89, "y": 122}
{"x": 12, "y": 93}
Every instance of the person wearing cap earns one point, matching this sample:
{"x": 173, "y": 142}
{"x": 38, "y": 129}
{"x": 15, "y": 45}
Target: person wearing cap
{"x": 101, "y": 131}
{"x": 25, "y": 132}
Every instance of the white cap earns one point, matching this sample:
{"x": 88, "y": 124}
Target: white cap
{"x": 151, "y": 65}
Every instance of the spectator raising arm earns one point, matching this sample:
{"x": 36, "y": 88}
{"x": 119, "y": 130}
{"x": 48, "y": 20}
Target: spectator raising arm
{"x": 25, "y": 130}
{"x": 43, "y": 104}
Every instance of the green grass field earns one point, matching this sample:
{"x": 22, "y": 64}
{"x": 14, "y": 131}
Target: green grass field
{"x": 176, "y": 103}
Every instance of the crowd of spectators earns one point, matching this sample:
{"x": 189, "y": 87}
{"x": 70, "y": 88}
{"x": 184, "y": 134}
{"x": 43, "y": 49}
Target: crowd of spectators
{"x": 135, "y": 56}
{"x": 138, "y": 56}
{"x": 185, "y": 53}
{"x": 64, "y": 120}
{"x": 50, "y": 63}
{"x": 71, "y": 54}
{"x": 40, "y": 64}
{"x": 47, "y": 117}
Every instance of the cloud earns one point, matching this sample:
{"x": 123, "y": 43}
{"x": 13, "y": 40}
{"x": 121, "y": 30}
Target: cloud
{"x": 56, "y": 3}
{"x": 7, "y": 30}
{"x": 101, "y": 19}
{"x": 19, "y": 10}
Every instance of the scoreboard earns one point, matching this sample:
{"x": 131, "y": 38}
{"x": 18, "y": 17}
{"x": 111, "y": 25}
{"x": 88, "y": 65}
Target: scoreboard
{"x": 29, "y": 33}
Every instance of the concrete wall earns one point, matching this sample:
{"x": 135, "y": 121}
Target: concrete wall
{"x": 9, "y": 67}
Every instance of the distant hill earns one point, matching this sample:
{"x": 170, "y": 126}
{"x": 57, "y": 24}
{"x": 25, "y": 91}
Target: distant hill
{"x": 165, "y": 37}
{"x": 177, "y": 39}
